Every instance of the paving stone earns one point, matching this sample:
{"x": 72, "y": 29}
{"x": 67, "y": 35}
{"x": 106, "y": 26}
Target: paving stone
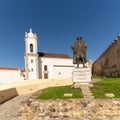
{"x": 11, "y": 109}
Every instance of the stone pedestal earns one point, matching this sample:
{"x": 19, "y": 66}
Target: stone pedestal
{"x": 81, "y": 76}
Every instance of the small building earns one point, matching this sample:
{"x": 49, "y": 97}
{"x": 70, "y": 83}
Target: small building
{"x": 11, "y": 75}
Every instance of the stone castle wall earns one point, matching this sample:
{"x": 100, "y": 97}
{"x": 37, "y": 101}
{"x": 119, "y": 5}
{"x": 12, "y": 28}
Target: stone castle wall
{"x": 108, "y": 64}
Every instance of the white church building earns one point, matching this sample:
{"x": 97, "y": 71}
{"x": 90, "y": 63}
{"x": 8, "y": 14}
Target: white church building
{"x": 39, "y": 65}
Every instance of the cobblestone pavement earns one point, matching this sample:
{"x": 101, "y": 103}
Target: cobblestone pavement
{"x": 71, "y": 109}
{"x": 10, "y": 109}
{"x": 27, "y": 107}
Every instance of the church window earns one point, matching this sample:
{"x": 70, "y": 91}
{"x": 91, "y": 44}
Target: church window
{"x": 45, "y": 67}
{"x": 31, "y": 60}
{"x": 31, "y": 47}
{"x": 31, "y": 69}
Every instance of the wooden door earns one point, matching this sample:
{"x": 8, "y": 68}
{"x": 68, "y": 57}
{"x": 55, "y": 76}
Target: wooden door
{"x": 45, "y": 75}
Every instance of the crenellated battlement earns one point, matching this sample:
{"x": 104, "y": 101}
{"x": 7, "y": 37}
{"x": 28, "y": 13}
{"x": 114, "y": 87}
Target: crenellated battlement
{"x": 108, "y": 64}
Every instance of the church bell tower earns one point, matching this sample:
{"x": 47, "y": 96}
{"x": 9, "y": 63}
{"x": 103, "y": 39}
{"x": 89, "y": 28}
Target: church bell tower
{"x": 31, "y": 56}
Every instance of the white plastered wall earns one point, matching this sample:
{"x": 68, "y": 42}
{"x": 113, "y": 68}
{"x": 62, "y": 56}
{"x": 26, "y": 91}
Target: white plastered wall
{"x": 10, "y": 76}
{"x": 57, "y": 67}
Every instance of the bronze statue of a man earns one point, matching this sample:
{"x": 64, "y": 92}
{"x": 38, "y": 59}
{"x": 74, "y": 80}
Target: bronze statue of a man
{"x": 79, "y": 52}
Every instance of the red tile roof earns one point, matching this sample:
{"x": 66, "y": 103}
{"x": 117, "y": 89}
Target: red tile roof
{"x": 23, "y": 70}
{"x": 6, "y": 68}
{"x": 53, "y": 55}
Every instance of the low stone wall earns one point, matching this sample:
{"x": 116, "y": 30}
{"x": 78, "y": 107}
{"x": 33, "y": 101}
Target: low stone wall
{"x": 29, "y": 86}
{"x": 13, "y": 92}
{"x": 7, "y": 94}
{"x": 36, "y": 85}
{"x": 27, "y": 89}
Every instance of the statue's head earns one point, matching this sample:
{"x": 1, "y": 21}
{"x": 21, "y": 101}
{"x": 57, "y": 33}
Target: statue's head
{"x": 79, "y": 38}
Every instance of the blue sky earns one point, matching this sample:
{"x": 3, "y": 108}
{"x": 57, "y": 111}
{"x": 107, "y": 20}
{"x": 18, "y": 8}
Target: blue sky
{"x": 57, "y": 24}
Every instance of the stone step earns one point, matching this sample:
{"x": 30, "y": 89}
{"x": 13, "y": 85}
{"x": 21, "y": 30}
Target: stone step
{"x": 86, "y": 92}
{"x": 88, "y": 97}
{"x": 84, "y": 86}
{"x": 85, "y": 89}
{"x": 78, "y": 85}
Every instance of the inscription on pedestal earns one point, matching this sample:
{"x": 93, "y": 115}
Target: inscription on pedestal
{"x": 81, "y": 75}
